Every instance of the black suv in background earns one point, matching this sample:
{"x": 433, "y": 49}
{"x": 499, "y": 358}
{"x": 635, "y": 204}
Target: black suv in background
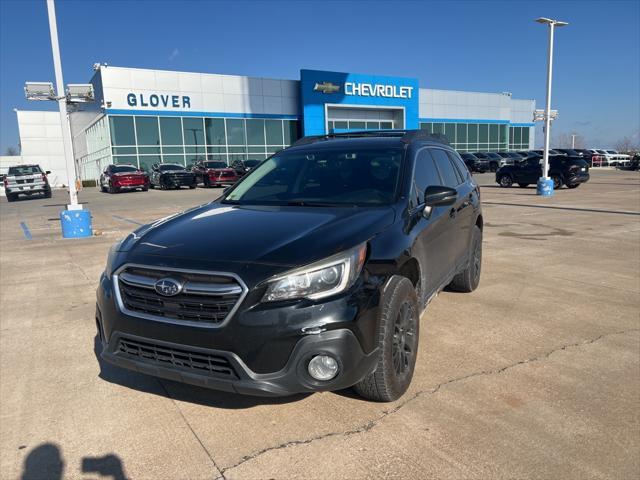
{"x": 169, "y": 175}
{"x": 563, "y": 170}
{"x": 474, "y": 163}
{"x": 492, "y": 159}
{"x": 308, "y": 274}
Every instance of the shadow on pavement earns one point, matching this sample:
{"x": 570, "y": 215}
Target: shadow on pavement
{"x": 45, "y": 462}
{"x": 182, "y": 391}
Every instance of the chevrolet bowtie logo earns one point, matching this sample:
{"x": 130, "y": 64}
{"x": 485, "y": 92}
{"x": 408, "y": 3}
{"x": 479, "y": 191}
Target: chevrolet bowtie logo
{"x": 326, "y": 87}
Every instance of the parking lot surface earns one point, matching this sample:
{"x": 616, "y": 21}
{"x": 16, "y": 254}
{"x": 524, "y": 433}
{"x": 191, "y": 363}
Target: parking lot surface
{"x": 534, "y": 375}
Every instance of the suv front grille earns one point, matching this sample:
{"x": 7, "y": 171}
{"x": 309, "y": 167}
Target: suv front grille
{"x": 205, "y": 299}
{"x": 147, "y": 352}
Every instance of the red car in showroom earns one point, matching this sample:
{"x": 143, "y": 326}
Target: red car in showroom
{"x": 117, "y": 178}
{"x": 214, "y": 173}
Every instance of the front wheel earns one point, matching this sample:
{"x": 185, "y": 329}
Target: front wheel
{"x": 505, "y": 181}
{"x": 398, "y": 333}
{"x": 468, "y": 280}
{"x": 573, "y": 186}
{"x": 11, "y": 197}
{"x": 192, "y": 186}
{"x": 523, "y": 185}
{"x": 493, "y": 167}
{"x": 112, "y": 189}
{"x": 557, "y": 182}
{"x": 47, "y": 193}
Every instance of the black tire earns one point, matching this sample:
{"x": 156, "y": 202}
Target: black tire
{"x": 469, "y": 279}
{"x": 505, "y": 181}
{"x": 11, "y": 197}
{"x": 557, "y": 182}
{"x": 206, "y": 183}
{"x": 523, "y": 185}
{"x": 145, "y": 188}
{"x": 398, "y": 334}
{"x": 47, "y": 193}
{"x": 493, "y": 167}
{"x": 192, "y": 186}
{"x": 573, "y": 186}
{"x": 103, "y": 189}
{"x": 112, "y": 189}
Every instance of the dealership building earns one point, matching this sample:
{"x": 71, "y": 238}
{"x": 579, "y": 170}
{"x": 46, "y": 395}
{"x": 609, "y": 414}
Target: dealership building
{"x": 143, "y": 116}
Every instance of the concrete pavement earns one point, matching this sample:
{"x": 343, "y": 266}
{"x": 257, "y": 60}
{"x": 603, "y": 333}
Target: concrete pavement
{"x": 534, "y": 375}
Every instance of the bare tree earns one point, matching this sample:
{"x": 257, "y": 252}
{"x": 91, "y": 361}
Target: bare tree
{"x": 627, "y": 145}
{"x": 12, "y": 152}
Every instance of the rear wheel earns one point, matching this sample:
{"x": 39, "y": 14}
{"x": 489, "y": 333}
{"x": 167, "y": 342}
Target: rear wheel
{"x": 468, "y": 280}
{"x": 523, "y": 185}
{"x": 47, "y": 193}
{"x": 505, "y": 181}
{"x": 398, "y": 332}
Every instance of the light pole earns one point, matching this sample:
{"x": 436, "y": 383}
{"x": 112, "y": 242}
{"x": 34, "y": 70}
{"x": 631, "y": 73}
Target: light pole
{"x": 545, "y": 185}
{"x": 75, "y": 221}
{"x": 573, "y": 141}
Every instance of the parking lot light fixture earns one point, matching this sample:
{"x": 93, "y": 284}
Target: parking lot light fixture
{"x": 545, "y": 185}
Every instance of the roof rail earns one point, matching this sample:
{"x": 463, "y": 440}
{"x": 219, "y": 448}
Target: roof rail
{"x": 405, "y": 136}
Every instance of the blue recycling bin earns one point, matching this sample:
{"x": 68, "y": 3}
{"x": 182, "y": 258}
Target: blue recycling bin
{"x": 545, "y": 187}
{"x": 76, "y": 223}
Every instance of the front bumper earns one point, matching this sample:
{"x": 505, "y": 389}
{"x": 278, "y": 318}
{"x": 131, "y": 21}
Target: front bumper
{"x": 577, "y": 179}
{"x": 258, "y": 351}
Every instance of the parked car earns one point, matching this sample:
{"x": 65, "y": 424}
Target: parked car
{"x": 509, "y": 158}
{"x": 615, "y": 158}
{"x": 586, "y": 155}
{"x": 563, "y": 170}
{"x": 475, "y": 164}
{"x": 309, "y": 274}
{"x": 116, "y": 178}
{"x": 242, "y": 167}
{"x": 169, "y": 175}
{"x": 214, "y": 173}
{"x": 492, "y": 159}
{"x": 528, "y": 154}
{"x": 26, "y": 180}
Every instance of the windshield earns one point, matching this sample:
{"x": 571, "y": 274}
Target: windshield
{"x": 480, "y": 155}
{"x": 325, "y": 177}
{"x": 122, "y": 168}
{"x": 611, "y": 151}
{"x": 165, "y": 167}
{"x": 24, "y": 170}
{"x": 215, "y": 164}
{"x": 493, "y": 155}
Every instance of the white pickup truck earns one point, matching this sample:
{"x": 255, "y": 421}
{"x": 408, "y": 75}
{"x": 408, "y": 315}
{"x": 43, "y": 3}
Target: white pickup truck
{"x": 26, "y": 180}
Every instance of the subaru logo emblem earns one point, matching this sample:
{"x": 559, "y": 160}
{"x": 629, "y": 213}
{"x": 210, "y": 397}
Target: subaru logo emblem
{"x": 168, "y": 287}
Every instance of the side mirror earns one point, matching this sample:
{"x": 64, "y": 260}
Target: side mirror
{"x": 438, "y": 195}
{"x": 47, "y": 172}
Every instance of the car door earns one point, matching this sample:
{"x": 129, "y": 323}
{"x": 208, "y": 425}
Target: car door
{"x": 431, "y": 228}
{"x": 458, "y": 229}
{"x": 528, "y": 171}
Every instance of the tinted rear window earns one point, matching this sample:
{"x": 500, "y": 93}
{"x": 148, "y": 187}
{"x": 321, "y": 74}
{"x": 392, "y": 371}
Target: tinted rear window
{"x": 164, "y": 168}
{"x": 24, "y": 170}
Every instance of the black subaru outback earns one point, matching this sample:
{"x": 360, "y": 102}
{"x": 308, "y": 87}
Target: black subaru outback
{"x": 309, "y": 274}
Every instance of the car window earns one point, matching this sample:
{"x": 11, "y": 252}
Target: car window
{"x": 445, "y": 167}
{"x": 24, "y": 170}
{"x": 215, "y": 164}
{"x": 460, "y": 167}
{"x": 425, "y": 175}
{"x": 337, "y": 176}
{"x": 123, "y": 168}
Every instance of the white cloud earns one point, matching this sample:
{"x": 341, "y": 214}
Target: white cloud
{"x": 174, "y": 53}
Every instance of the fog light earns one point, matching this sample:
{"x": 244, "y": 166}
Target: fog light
{"x": 323, "y": 367}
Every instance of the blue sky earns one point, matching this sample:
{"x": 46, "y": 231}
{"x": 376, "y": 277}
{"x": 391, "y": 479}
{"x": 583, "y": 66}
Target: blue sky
{"x": 491, "y": 46}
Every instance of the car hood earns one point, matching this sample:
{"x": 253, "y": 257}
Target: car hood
{"x": 217, "y": 234}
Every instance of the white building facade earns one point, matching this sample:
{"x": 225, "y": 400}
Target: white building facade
{"x": 143, "y": 117}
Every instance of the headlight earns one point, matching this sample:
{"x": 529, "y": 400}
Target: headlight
{"x": 318, "y": 280}
{"x": 113, "y": 253}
